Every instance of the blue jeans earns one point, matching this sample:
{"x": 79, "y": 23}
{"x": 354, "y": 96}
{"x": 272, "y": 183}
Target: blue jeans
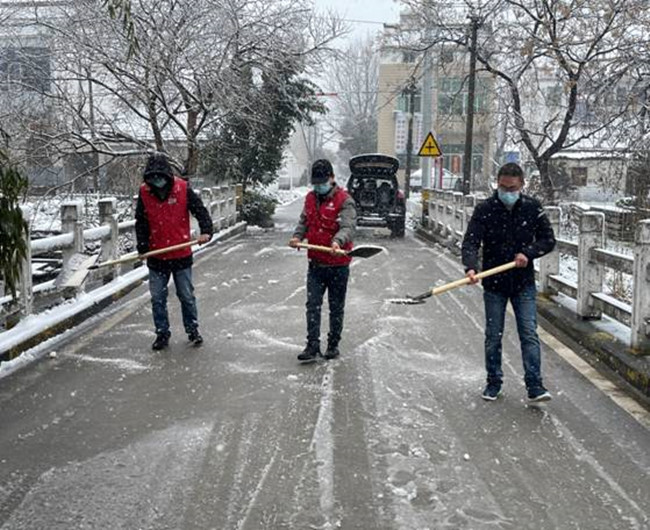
{"x": 525, "y": 307}
{"x": 158, "y": 281}
{"x": 335, "y": 281}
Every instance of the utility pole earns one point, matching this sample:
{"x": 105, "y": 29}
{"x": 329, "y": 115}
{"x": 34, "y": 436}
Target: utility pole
{"x": 411, "y": 89}
{"x": 427, "y": 82}
{"x": 469, "y": 131}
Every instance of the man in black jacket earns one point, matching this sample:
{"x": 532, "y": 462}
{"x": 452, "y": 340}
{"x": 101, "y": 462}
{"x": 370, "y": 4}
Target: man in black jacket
{"x": 509, "y": 226}
{"x": 162, "y": 219}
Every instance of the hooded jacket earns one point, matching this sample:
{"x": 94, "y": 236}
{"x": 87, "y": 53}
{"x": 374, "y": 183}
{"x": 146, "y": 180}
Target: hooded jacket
{"x": 502, "y": 234}
{"x": 162, "y": 216}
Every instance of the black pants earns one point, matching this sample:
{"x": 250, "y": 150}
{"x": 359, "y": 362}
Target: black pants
{"x": 335, "y": 281}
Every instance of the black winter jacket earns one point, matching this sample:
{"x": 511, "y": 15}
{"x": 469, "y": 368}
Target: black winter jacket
{"x": 503, "y": 233}
{"x": 196, "y": 208}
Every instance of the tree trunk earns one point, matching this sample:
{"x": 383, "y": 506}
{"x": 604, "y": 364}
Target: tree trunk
{"x": 546, "y": 183}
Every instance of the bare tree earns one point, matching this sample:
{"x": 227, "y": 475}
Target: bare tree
{"x": 108, "y": 100}
{"x": 553, "y": 64}
{"x": 352, "y": 78}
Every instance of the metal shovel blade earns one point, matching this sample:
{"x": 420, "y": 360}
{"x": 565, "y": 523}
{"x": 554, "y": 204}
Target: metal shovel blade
{"x": 76, "y": 270}
{"x": 411, "y": 300}
{"x": 365, "y": 251}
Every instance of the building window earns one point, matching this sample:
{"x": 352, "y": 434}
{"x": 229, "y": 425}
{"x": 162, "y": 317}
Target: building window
{"x": 453, "y": 97}
{"x": 454, "y": 155}
{"x": 25, "y": 68}
{"x": 408, "y": 57}
{"x": 403, "y": 102}
{"x": 579, "y": 176}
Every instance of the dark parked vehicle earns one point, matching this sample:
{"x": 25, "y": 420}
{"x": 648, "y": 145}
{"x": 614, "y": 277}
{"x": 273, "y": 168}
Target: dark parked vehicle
{"x": 373, "y": 185}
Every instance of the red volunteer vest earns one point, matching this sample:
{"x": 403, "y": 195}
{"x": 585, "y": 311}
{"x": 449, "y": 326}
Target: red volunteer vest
{"x": 169, "y": 220}
{"x": 322, "y": 226}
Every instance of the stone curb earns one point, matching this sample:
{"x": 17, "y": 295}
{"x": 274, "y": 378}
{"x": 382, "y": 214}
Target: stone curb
{"x": 30, "y": 340}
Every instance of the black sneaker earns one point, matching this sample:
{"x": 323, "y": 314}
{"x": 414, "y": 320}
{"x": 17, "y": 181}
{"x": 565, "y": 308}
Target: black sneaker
{"x": 538, "y": 393}
{"x": 332, "y": 352}
{"x": 492, "y": 392}
{"x": 195, "y": 338}
{"x": 310, "y": 354}
{"x": 161, "y": 342}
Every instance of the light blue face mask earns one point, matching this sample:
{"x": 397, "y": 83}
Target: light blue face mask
{"x": 158, "y": 182}
{"x": 322, "y": 189}
{"x": 508, "y": 198}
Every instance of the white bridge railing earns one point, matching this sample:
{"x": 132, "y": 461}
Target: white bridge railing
{"x": 449, "y": 214}
{"x": 221, "y": 201}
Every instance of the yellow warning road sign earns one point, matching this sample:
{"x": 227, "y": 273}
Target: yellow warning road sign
{"x": 430, "y": 147}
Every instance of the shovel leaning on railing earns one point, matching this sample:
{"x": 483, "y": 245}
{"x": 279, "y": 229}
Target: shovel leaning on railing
{"x": 361, "y": 251}
{"x": 82, "y": 267}
{"x": 420, "y": 298}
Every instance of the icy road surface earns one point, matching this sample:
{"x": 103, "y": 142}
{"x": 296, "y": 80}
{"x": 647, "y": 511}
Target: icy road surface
{"x": 236, "y": 435}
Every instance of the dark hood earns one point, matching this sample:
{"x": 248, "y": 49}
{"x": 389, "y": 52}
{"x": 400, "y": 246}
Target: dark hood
{"x": 158, "y": 166}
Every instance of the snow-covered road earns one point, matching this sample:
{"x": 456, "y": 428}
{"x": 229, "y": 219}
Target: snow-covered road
{"x": 237, "y": 435}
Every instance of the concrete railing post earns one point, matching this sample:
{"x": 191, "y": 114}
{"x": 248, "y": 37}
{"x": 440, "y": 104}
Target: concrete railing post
{"x": 640, "y": 323}
{"x": 550, "y": 264}
{"x": 110, "y": 248}
{"x": 449, "y": 213}
{"x": 432, "y": 211}
{"x": 457, "y": 225}
{"x": 71, "y": 222}
{"x": 590, "y": 274}
{"x": 206, "y": 198}
{"x": 469, "y": 203}
{"x": 216, "y": 200}
{"x": 239, "y": 198}
{"x": 232, "y": 193}
{"x": 225, "y": 208}
{"x": 439, "y": 210}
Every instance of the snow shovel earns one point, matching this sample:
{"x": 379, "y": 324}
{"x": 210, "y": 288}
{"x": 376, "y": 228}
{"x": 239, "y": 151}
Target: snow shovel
{"x": 419, "y": 299}
{"x": 73, "y": 276}
{"x": 134, "y": 257}
{"x": 362, "y": 251}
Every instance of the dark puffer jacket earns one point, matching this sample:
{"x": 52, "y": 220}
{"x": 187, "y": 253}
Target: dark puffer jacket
{"x": 503, "y": 233}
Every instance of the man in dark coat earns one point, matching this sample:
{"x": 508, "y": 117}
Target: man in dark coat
{"x": 328, "y": 219}
{"x": 509, "y": 226}
{"x": 162, "y": 219}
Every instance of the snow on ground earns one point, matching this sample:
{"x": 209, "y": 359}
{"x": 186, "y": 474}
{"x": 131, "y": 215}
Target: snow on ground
{"x": 286, "y": 196}
{"x": 37, "y": 323}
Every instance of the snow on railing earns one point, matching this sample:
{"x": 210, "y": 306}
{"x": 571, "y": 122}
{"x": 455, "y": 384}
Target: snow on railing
{"x": 221, "y": 201}
{"x": 449, "y": 214}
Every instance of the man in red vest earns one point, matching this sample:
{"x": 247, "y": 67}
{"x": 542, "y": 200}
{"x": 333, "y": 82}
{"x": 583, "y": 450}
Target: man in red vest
{"x": 328, "y": 219}
{"x": 162, "y": 219}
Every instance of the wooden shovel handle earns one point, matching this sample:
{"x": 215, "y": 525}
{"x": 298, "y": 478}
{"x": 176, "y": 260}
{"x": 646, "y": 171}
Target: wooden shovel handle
{"x": 479, "y": 276}
{"x": 146, "y": 255}
{"x": 329, "y": 250}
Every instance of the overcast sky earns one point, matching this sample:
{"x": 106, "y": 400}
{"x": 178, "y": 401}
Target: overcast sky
{"x": 378, "y": 11}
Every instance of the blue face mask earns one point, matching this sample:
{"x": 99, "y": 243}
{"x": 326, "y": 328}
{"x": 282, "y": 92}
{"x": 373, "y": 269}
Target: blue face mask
{"x": 158, "y": 182}
{"x": 508, "y": 198}
{"x": 322, "y": 189}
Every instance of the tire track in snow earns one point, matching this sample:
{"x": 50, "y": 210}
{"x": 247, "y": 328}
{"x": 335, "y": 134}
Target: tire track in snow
{"x": 322, "y": 444}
